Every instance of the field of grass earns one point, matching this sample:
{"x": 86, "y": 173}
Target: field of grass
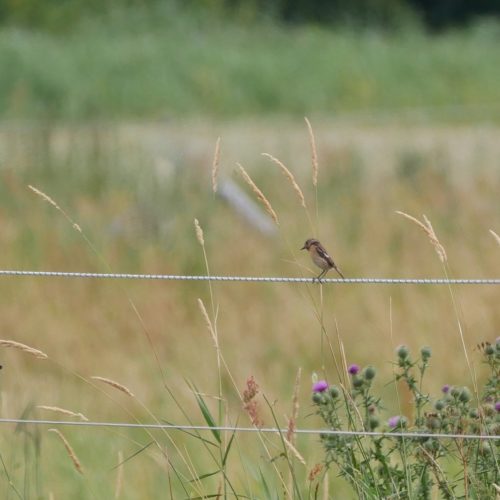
{"x": 117, "y": 121}
{"x": 135, "y": 189}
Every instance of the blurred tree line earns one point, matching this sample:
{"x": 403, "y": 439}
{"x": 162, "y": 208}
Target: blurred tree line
{"x": 434, "y": 14}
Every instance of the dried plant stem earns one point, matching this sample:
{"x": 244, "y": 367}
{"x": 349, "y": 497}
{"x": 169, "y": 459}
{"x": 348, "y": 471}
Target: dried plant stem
{"x": 426, "y": 226}
{"x": 292, "y": 422}
{"x": 300, "y": 195}
{"x": 114, "y": 384}
{"x": 24, "y": 348}
{"x": 462, "y": 338}
{"x": 69, "y": 449}
{"x": 199, "y": 233}
{"x": 119, "y": 476}
{"x": 326, "y": 493}
{"x": 48, "y": 199}
{"x": 314, "y": 153}
{"x": 294, "y": 451}
{"x": 260, "y": 195}
{"x": 210, "y": 327}
{"x": 290, "y": 177}
{"x": 495, "y": 235}
{"x": 215, "y": 165}
{"x": 63, "y": 411}
{"x": 289, "y": 439}
{"x": 315, "y": 168}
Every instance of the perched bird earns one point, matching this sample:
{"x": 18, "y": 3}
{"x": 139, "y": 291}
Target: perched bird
{"x": 320, "y": 257}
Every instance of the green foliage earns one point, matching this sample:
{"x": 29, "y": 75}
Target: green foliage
{"x": 169, "y": 65}
{"x": 406, "y": 467}
{"x": 57, "y": 15}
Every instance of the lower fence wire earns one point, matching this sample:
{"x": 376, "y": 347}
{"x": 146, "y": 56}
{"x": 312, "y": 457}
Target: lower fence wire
{"x": 272, "y": 430}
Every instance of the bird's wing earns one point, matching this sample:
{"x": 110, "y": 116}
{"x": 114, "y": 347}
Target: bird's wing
{"x": 322, "y": 253}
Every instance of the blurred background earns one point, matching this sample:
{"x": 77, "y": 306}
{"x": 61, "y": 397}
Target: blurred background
{"x": 113, "y": 109}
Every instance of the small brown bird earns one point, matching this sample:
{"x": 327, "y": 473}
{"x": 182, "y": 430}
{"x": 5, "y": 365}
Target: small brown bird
{"x": 320, "y": 257}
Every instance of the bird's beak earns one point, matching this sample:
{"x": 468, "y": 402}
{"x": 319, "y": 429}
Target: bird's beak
{"x": 303, "y": 248}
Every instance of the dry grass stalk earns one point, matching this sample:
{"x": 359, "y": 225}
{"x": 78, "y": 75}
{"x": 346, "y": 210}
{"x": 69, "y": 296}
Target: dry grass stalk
{"x": 290, "y": 177}
{"x": 326, "y": 493}
{"x": 215, "y": 165}
{"x": 22, "y": 347}
{"x": 48, "y": 199}
{"x": 294, "y": 451}
{"x": 259, "y": 194}
{"x": 199, "y": 233}
{"x": 314, "y": 153}
{"x": 69, "y": 449}
{"x": 292, "y": 422}
{"x": 63, "y": 411}
{"x": 210, "y": 327}
{"x": 119, "y": 476}
{"x": 495, "y": 235}
{"x": 114, "y": 384}
{"x": 426, "y": 226}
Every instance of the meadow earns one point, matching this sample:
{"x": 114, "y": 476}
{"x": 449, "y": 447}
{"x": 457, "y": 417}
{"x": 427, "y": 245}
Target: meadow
{"x": 135, "y": 191}
{"x": 117, "y": 124}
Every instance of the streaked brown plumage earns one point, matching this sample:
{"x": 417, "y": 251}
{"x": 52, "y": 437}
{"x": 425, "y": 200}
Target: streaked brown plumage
{"x": 320, "y": 257}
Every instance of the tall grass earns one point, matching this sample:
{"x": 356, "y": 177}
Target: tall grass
{"x": 140, "y": 219}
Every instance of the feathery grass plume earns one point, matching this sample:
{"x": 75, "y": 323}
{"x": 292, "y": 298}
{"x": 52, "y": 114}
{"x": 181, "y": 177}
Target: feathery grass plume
{"x": 69, "y": 449}
{"x": 250, "y": 404}
{"x": 314, "y": 472}
{"x": 208, "y": 322}
{"x": 199, "y": 233}
{"x": 215, "y": 165}
{"x": 114, "y": 384}
{"x": 294, "y": 451}
{"x": 426, "y": 226}
{"x": 495, "y": 235}
{"x": 289, "y": 176}
{"x": 63, "y": 411}
{"x": 119, "y": 476}
{"x": 22, "y": 347}
{"x": 292, "y": 421}
{"x": 48, "y": 199}
{"x": 258, "y": 193}
{"x": 314, "y": 153}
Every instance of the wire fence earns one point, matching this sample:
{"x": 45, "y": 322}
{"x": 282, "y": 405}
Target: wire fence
{"x": 267, "y": 430}
{"x": 253, "y": 279}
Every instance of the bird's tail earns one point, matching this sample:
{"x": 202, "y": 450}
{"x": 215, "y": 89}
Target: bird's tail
{"x": 340, "y": 273}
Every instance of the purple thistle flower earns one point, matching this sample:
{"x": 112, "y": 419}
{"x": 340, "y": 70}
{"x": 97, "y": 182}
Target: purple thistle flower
{"x": 353, "y": 369}
{"x": 497, "y": 406}
{"x": 320, "y": 386}
{"x": 394, "y": 421}
{"x": 445, "y": 388}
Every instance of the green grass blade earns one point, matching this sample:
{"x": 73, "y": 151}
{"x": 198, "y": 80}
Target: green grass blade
{"x": 207, "y": 415}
